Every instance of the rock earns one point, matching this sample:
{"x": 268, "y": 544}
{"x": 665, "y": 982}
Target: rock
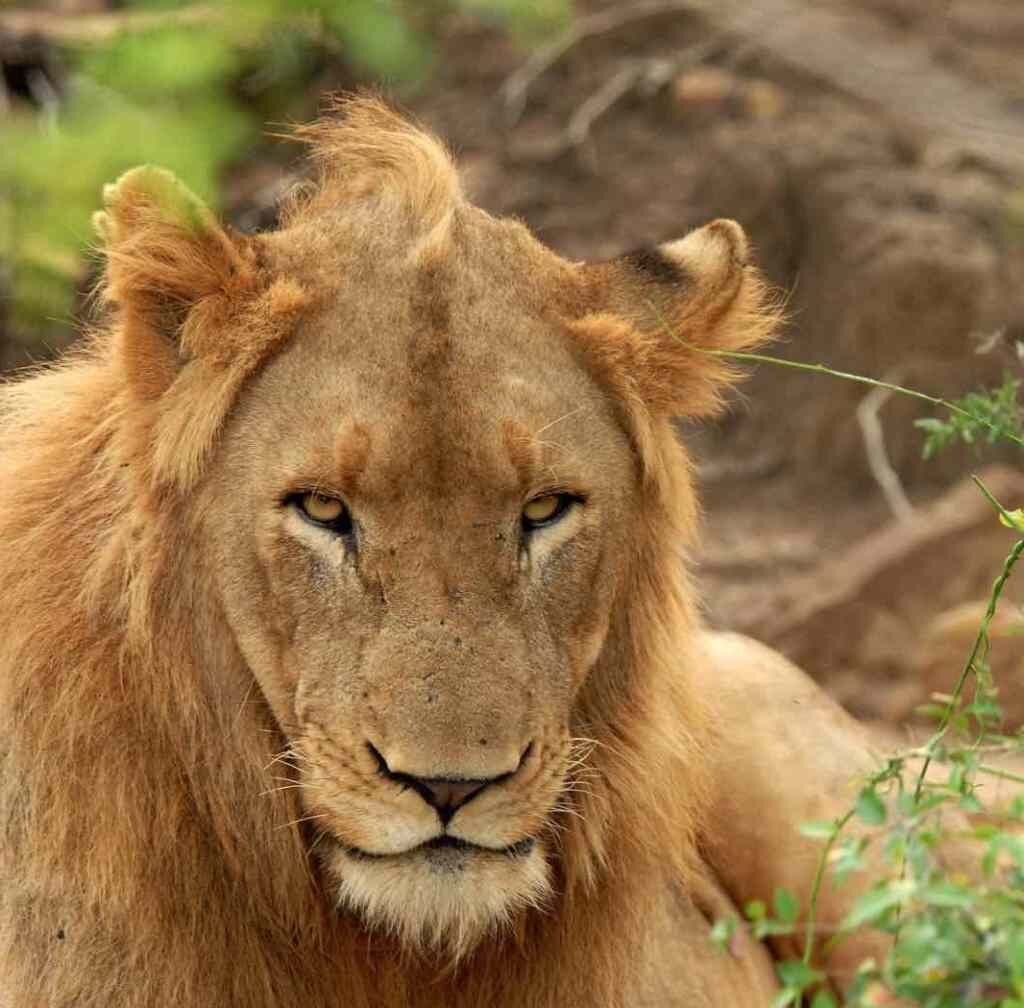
{"x": 704, "y": 88}
{"x": 947, "y": 641}
{"x": 764, "y": 101}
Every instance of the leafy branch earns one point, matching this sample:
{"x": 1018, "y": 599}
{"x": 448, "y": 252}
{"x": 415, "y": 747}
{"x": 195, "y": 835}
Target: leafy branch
{"x": 956, "y": 941}
{"x": 978, "y": 415}
{"x": 996, "y": 414}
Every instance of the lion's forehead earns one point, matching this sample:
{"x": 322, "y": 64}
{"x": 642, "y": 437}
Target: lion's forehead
{"x": 433, "y": 381}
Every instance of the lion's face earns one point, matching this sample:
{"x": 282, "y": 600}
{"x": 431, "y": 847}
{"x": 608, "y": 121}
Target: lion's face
{"x": 420, "y": 510}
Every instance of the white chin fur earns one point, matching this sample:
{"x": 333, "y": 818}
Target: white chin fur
{"x": 442, "y": 900}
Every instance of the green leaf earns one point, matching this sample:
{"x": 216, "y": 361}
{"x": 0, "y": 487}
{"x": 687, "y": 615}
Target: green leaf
{"x": 874, "y": 905}
{"x": 755, "y": 910}
{"x": 796, "y": 973}
{"x": 946, "y": 894}
{"x": 986, "y": 416}
{"x": 848, "y": 857}
{"x": 1015, "y": 956}
{"x": 818, "y": 829}
{"x": 723, "y": 931}
{"x": 823, "y": 1000}
{"x": 870, "y": 808}
{"x": 970, "y": 803}
{"x": 786, "y": 906}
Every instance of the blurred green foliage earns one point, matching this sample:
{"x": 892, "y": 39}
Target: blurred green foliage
{"x": 190, "y": 87}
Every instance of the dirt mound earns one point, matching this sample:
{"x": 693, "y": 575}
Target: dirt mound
{"x": 884, "y": 623}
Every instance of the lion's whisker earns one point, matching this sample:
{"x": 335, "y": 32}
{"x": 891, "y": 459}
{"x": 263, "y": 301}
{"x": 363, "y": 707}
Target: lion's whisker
{"x": 283, "y": 787}
{"x": 317, "y": 839}
{"x": 285, "y": 757}
{"x": 302, "y": 819}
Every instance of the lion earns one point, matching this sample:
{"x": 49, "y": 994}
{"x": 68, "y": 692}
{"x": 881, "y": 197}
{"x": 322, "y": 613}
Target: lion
{"x": 350, "y": 652}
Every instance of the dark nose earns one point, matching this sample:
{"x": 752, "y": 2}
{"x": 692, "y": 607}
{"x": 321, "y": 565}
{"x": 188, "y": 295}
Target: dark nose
{"x": 448, "y": 796}
{"x": 445, "y": 794}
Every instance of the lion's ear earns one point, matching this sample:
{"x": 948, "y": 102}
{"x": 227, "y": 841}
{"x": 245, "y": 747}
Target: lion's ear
{"x": 171, "y": 272}
{"x": 660, "y": 311}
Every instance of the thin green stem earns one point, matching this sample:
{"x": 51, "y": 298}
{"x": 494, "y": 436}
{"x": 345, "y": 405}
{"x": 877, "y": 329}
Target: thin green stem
{"x": 981, "y": 642}
{"x": 819, "y": 877}
{"x": 756, "y": 358}
{"x": 1002, "y": 774}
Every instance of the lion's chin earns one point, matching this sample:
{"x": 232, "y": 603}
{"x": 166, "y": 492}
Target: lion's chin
{"x": 441, "y": 898}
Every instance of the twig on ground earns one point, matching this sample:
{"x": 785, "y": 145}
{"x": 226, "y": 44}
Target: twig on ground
{"x": 878, "y": 458}
{"x": 647, "y": 76}
{"x": 516, "y": 88}
{"x": 616, "y": 87}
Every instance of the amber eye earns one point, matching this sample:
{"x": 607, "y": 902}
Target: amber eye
{"x": 546, "y": 510}
{"x": 324, "y": 510}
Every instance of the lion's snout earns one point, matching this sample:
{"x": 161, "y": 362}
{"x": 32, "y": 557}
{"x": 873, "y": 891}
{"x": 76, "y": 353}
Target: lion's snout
{"x": 435, "y": 709}
{"x": 447, "y": 793}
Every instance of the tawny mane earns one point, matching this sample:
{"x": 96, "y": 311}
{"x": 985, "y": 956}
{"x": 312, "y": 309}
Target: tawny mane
{"x": 378, "y": 175}
{"x": 364, "y": 148}
{"x": 148, "y": 852}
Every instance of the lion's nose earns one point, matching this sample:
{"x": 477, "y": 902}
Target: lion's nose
{"x": 445, "y": 794}
{"x": 448, "y": 796}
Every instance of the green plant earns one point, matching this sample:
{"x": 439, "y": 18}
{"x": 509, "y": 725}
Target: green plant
{"x": 957, "y": 936}
{"x": 979, "y": 416}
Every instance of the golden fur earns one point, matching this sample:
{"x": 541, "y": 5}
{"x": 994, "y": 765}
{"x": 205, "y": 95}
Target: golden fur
{"x": 181, "y": 733}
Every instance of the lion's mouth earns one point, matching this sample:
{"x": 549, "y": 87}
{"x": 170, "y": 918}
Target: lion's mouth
{"x": 445, "y": 891}
{"x": 444, "y": 843}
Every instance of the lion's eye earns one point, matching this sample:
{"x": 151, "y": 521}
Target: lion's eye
{"x": 546, "y": 510}
{"x": 324, "y": 510}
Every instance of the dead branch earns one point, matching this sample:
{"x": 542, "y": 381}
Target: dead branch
{"x": 616, "y": 87}
{"x": 647, "y": 76}
{"x": 92, "y": 28}
{"x": 878, "y": 458}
